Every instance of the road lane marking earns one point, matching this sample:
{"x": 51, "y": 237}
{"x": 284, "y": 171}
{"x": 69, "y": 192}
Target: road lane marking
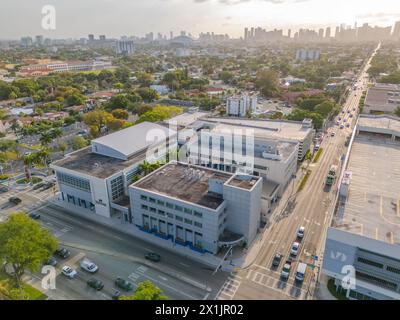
{"x": 183, "y": 264}
{"x": 179, "y": 291}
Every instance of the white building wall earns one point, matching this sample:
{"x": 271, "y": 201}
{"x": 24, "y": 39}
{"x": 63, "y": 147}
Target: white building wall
{"x": 244, "y": 210}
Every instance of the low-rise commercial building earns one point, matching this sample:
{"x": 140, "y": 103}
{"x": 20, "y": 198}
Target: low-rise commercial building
{"x": 382, "y": 98}
{"x": 235, "y": 148}
{"x": 205, "y": 208}
{"x": 96, "y": 179}
{"x": 280, "y": 130}
{"x": 362, "y": 250}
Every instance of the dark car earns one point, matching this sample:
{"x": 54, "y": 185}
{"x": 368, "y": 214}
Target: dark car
{"x": 62, "y": 253}
{"x": 34, "y": 215}
{"x": 152, "y": 257}
{"x": 51, "y": 262}
{"x": 48, "y": 185}
{"x": 38, "y": 185}
{"x": 123, "y": 284}
{"x": 116, "y": 294}
{"x": 277, "y": 260}
{"x": 15, "y": 200}
{"x": 95, "y": 284}
{"x": 3, "y": 189}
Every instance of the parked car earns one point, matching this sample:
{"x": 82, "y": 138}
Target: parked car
{"x": 15, "y": 200}
{"x": 34, "y": 215}
{"x": 277, "y": 260}
{"x": 348, "y": 125}
{"x": 333, "y": 134}
{"x": 68, "y": 272}
{"x": 88, "y": 266}
{"x": 116, "y": 294}
{"x": 51, "y": 262}
{"x": 38, "y": 185}
{"x": 294, "y": 249}
{"x": 95, "y": 284}
{"x": 62, "y": 253}
{"x": 286, "y": 269}
{"x": 3, "y": 189}
{"x": 123, "y": 284}
{"x": 48, "y": 185}
{"x": 300, "y": 232}
{"x": 152, "y": 256}
{"x": 341, "y": 126}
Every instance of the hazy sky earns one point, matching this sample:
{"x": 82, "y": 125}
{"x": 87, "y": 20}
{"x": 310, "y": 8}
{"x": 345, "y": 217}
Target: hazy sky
{"x": 77, "y": 18}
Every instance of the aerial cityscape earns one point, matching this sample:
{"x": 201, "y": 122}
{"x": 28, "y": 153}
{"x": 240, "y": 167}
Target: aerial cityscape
{"x": 253, "y": 158}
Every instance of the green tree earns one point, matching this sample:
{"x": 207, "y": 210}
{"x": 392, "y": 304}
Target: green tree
{"x": 79, "y": 143}
{"x": 397, "y": 111}
{"x": 120, "y": 114}
{"x": 96, "y": 120}
{"x": 24, "y": 244}
{"x": 146, "y": 291}
{"x": 267, "y": 82}
{"x": 147, "y": 94}
{"x": 119, "y": 101}
{"x": 45, "y": 138}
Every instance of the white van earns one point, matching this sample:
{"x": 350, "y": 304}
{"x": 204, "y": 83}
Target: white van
{"x": 300, "y": 272}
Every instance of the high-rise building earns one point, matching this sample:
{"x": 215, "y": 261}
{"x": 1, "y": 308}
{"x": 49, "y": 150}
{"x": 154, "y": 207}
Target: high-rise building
{"x": 26, "y": 41}
{"x": 252, "y": 33}
{"x": 39, "y": 40}
{"x": 328, "y": 32}
{"x": 91, "y": 37}
{"x": 102, "y": 37}
{"x": 396, "y": 30}
{"x": 171, "y": 35}
{"x": 321, "y": 33}
{"x": 124, "y": 47}
{"x": 289, "y": 34}
{"x": 246, "y": 33}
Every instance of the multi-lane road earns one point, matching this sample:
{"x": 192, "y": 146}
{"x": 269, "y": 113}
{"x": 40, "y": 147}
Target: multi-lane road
{"x": 121, "y": 255}
{"x": 310, "y": 208}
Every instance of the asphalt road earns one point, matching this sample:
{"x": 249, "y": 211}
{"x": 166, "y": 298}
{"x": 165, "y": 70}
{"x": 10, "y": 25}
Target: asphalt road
{"x": 118, "y": 254}
{"x": 311, "y": 208}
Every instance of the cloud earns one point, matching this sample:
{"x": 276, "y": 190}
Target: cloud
{"x": 234, "y": 2}
{"x": 379, "y": 15}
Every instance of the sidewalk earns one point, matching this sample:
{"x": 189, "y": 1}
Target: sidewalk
{"x": 322, "y": 292}
{"x": 127, "y": 228}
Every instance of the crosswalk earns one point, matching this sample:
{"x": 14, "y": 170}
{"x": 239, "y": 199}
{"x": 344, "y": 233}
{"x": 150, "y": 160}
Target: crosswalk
{"x": 278, "y": 285}
{"x": 229, "y": 288}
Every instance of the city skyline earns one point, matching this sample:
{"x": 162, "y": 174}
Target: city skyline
{"x": 122, "y": 17}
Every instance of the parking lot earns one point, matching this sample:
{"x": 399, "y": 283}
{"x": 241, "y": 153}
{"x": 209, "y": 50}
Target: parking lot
{"x": 368, "y": 212}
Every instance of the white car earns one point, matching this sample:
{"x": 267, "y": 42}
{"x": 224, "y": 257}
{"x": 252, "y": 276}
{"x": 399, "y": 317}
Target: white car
{"x": 89, "y": 266}
{"x": 300, "y": 232}
{"x": 295, "y": 249}
{"x": 68, "y": 272}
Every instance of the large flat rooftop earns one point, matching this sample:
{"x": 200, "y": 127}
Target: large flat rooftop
{"x": 278, "y": 129}
{"x": 373, "y": 204}
{"x": 171, "y": 181}
{"x": 385, "y": 122}
{"x": 97, "y": 165}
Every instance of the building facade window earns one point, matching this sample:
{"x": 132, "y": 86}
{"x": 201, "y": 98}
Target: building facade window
{"x": 117, "y": 188}
{"x": 72, "y": 181}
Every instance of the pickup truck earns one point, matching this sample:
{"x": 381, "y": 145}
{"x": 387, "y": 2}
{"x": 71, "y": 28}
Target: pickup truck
{"x": 286, "y": 269}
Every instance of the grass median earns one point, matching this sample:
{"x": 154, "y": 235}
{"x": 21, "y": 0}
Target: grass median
{"x": 304, "y": 181}
{"x": 317, "y": 155}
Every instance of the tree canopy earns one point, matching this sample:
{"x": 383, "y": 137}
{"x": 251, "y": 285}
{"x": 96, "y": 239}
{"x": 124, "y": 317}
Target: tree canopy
{"x": 24, "y": 244}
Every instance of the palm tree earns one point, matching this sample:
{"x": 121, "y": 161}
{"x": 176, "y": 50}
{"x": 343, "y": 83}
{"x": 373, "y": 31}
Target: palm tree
{"x": 46, "y": 138}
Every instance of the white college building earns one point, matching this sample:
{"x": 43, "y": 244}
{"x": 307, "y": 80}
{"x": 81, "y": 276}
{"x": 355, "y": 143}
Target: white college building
{"x": 197, "y": 207}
